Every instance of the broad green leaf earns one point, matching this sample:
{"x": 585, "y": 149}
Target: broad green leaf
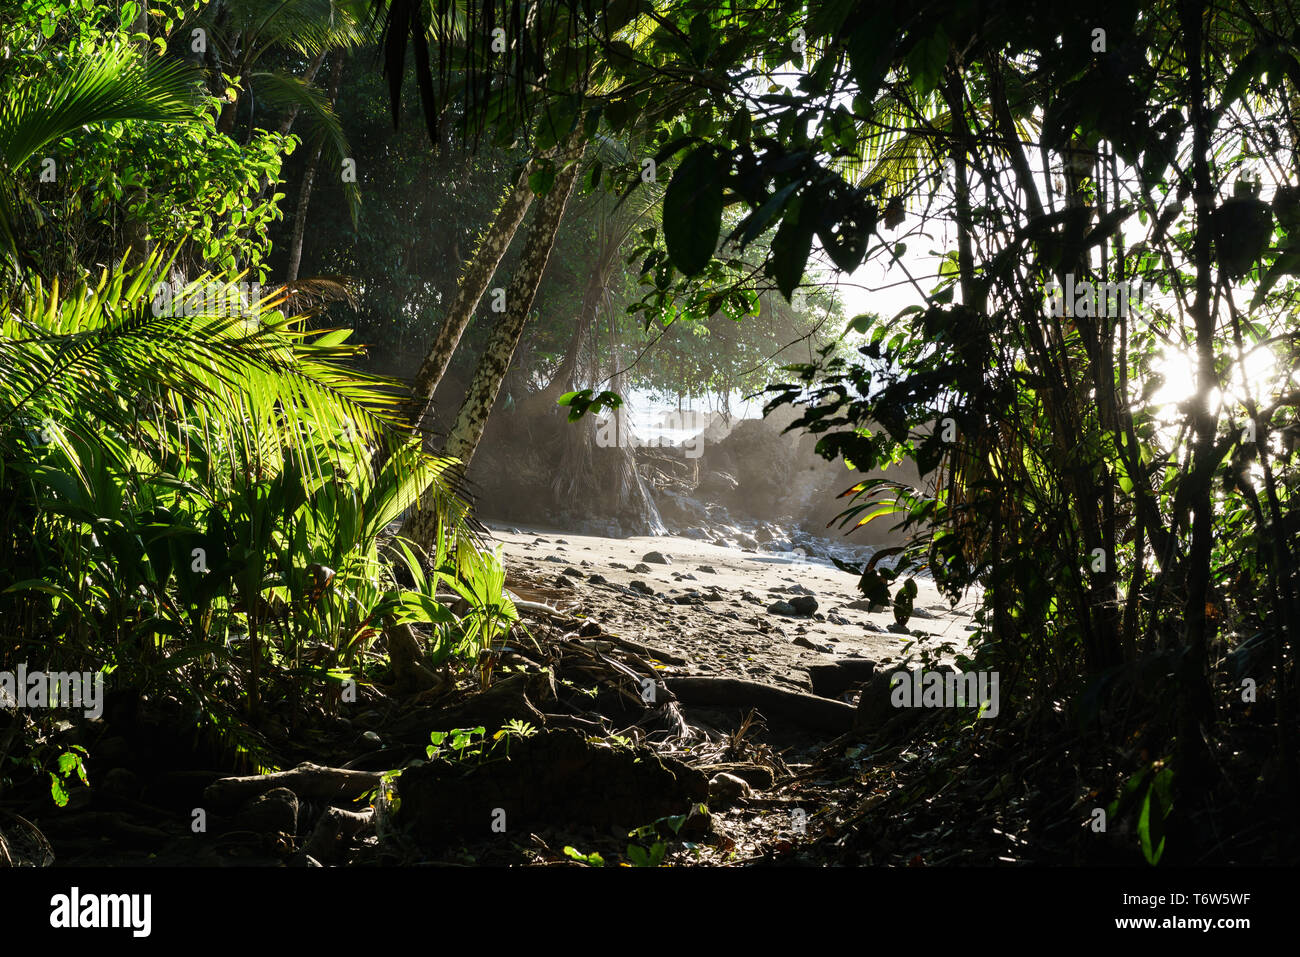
{"x": 692, "y": 213}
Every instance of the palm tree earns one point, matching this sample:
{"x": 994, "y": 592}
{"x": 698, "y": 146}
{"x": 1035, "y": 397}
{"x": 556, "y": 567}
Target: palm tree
{"x": 128, "y": 381}
{"x": 422, "y": 525}
{"x": 245, "y": 34}
{"x": 478, "y": 273}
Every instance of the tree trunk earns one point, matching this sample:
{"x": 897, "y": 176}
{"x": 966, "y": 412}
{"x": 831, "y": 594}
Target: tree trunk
{"x": 495, "y": 361}
{"x": 308, "y": 78}
{"x": 1197, "y": 705}
{"x": 562, "y": 381}
{"x": 308, "y": 177}
{"x": 421, "y": 526}
{"x": 492, "y": 247}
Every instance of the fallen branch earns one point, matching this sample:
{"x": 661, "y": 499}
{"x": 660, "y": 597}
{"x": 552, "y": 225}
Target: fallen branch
{"x": 540, "y": 608}
{"x": 310, "y": 782}
{"x": 808, "y": 710}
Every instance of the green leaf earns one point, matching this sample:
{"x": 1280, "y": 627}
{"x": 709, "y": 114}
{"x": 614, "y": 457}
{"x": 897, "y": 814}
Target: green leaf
{"x": 542, "y": 179}
{"x": 860, "y": 323}
{"x": 926, "y": 61}
{"x": 692, "y": 213}
{"x": 791, "y": 246}
{"x": 738, "y": 130}
{"x": 591, "y": 860}
{"x": 1287, "y": 263}
{"x": 36, "y": 584}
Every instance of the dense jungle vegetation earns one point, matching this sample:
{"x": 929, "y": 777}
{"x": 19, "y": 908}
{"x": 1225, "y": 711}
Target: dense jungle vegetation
{"x": 244, "y": 242}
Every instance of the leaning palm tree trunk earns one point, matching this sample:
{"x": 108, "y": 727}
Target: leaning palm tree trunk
{"x": 421, "y": 526}
{"x": 492, "y": 247}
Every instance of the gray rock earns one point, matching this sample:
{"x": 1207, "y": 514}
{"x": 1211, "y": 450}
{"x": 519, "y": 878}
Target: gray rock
{"x": 642, "y": 587}
{"x": 832, "y": 679}
{"x": 863, "y": 604}
{"x": 657, "y": 558}
{"x": 597, "y": 579}
{"x": 803, "y": 641}
{"x": 641, "y": 567}
{"x": 780, "y": 608}
{"x": 707, "y": 569}
{"x": 572, "y": 573}
{"x": 804, "y": 605}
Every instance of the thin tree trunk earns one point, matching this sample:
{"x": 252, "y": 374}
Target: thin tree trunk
{"x": 495, "y": 361}
{"x": 307, "y": 78}
{"x": 482, "y": 267}
{"x": 308, "y": 177}
{"x": 562, "y": 380}
{"x": 1197, "y": 704}
{"x": 421, "y": 526}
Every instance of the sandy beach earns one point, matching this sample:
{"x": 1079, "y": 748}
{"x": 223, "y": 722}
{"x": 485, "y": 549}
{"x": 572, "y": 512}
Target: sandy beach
{"x": 709, "y": 604}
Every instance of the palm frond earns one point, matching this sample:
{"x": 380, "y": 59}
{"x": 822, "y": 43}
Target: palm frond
{"x": 115, "y": 84}
{"x": 101, "y": 358}
{"x": 282, "y": 90}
